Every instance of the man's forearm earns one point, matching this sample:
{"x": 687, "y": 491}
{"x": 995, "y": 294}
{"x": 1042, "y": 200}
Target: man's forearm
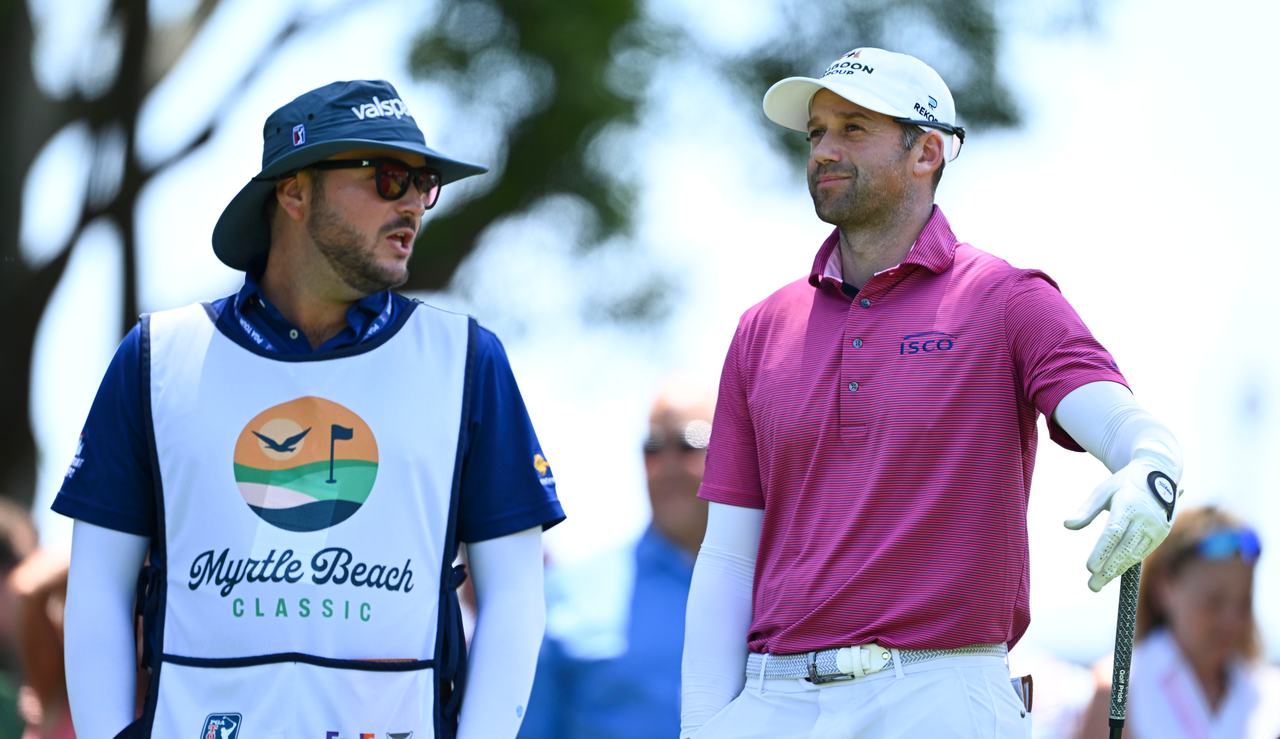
{"x": 1107, "y": 422}
{"x": 101, "y": 654}
{"x": 719, "y": 614}
{"x": 507, "y": 576}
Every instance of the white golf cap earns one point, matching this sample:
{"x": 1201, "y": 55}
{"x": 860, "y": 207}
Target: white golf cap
{"x": 897, "y": 85}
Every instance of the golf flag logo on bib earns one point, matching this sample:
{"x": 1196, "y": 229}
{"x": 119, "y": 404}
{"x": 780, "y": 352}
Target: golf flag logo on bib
{"x": 306, "y": 465}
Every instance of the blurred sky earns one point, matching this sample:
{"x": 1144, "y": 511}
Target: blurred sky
{"x": 1136, "y": 182}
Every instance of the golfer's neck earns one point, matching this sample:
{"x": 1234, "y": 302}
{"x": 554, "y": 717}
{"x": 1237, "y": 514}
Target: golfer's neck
{"x": 307, "y": 294}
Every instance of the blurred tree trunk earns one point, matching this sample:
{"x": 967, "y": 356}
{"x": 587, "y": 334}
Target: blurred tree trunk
{"x": 111, "y": 116}
{"x": 31, "y": 120}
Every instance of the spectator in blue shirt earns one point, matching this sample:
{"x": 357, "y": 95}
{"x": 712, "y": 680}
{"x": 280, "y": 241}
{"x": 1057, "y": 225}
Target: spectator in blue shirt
{"x": 610, "y": 664}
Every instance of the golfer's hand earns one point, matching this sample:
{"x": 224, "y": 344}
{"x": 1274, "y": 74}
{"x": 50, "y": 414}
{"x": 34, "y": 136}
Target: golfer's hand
{"x": 1140, "y": 497}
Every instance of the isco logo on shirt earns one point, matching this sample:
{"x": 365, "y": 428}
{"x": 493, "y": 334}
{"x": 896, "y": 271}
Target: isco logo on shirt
{"x": 927, "y": 342}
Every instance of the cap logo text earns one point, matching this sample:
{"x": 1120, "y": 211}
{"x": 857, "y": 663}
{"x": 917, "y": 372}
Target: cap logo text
{"x": 925, "y": 112}
{"x": 379, "y": 108}
{"x": 842, "y": 67}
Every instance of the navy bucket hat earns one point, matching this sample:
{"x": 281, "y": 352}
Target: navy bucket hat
{"x": 342, "y": 116}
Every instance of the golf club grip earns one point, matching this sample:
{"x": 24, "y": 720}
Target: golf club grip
{"x": 1126, "y": 617}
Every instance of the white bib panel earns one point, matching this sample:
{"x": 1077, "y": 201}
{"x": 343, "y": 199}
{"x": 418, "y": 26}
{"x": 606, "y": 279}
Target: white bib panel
{"x": 306, "y": 510}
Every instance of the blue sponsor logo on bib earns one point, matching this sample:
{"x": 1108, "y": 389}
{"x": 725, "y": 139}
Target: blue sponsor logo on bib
{"x": 221, "y": 726}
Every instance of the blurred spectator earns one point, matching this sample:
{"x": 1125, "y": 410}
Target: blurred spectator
{"x": 17, "y": 540}
{"x": 1196, "y": 670}
{"x": 40, "y": 585}
{"x": 610, "y": 665}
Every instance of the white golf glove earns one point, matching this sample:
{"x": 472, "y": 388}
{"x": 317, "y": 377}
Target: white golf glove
{"x": 1140, "y": 496}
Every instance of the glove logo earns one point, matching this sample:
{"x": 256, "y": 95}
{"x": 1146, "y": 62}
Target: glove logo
{"x": 306, "y": 465}
{"x": 1163, "y": 488}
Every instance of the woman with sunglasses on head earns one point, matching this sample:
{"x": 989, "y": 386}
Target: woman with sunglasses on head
{"x": 1196, "y": 660}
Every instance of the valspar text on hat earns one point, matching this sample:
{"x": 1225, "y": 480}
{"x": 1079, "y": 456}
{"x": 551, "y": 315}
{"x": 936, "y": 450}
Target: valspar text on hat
{"x": 379, "y": 108}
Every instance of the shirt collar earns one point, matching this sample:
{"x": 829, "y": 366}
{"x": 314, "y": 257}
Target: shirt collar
{"x": 934, "y": 249}
{"x": 358, "y": 316}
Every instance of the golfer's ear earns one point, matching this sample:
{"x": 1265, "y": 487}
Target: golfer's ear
{"x": 294, "y": 196}
{"x": 932, "y": 153}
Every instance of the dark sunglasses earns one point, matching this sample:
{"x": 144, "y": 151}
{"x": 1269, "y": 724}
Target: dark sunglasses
{"x": 1226, "y": 543}
{"x": 695, "y": 437}
{"x": 390, "y": 176}
{"x": 947, "y": 128}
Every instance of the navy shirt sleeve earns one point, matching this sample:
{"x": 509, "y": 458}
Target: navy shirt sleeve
{"x": 507, "y": 485}
{"x": 111, "y": 482}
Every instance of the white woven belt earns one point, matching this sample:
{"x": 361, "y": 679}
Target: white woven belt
{"x": 847, "y": 663}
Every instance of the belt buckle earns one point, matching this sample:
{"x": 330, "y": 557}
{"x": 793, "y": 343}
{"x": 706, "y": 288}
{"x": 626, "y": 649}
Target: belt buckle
{"x": 813, "y": 672}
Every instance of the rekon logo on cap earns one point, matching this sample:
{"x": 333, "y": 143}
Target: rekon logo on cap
{"x": 379, "y": 108}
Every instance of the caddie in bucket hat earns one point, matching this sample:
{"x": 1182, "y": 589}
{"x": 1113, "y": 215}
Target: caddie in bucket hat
{"x": 339, "y": 117}
{"x": 297, "y": 465}
{"x": 870, "y": 465}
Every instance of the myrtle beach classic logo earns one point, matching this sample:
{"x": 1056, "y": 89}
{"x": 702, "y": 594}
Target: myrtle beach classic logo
{"x": 306, "y": 465}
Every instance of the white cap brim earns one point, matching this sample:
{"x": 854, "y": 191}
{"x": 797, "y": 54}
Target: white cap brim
{"x": 787, "y": 102}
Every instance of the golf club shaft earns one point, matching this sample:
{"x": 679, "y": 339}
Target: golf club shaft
{"x": 1126, "y": 616}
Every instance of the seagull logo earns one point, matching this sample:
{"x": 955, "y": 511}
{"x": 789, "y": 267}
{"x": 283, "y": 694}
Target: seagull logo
{"x": 282, "y": 446}
{"x": 293, "y": 477}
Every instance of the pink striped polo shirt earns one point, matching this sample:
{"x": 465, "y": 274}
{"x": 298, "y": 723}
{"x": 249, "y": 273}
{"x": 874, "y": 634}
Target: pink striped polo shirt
{"x": 890, "y": 440}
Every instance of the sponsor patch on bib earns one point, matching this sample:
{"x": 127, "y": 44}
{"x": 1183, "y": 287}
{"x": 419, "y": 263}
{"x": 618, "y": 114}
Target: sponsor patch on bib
{"x": 221, "y": 726}
{"x": 306, "y": 465}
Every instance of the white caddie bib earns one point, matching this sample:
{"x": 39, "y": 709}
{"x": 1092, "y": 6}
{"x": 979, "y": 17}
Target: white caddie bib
{"x": 307, "y": 537}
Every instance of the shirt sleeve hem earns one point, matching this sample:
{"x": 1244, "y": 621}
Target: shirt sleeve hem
{"x": 546, "y": 515}
{"x": 107, "y": 519}
{"x": 1064, "y": 388}
{"x": 730, "y": 497}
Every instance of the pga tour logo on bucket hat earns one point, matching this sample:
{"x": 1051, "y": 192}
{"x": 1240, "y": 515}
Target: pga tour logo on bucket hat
{"x": 896, "y": 85}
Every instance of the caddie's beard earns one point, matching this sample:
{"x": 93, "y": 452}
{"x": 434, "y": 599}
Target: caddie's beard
{"x": 351, "y": 257}
{"x": 863, "y": 204}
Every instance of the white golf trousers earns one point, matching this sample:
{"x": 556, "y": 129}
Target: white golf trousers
{"x": 960, "y": 697}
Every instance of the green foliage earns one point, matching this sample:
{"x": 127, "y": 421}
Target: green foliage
{"x": 584, "y": 65}
{"x": 560, "y": 55}
{"x": 958, "y": 38}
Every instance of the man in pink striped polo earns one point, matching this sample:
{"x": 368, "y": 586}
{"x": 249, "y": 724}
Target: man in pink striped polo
{"x": 865, "y": 565}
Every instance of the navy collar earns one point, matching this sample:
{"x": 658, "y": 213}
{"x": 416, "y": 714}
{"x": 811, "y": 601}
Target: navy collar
{"x": 267, "y": 327}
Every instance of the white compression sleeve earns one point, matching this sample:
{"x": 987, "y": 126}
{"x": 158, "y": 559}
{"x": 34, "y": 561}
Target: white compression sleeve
{"x": 1104, "y": 418}
{"x": 101, "y": 655}
{"x": 719, "y": 614}
{"x": 507, "y": 577}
